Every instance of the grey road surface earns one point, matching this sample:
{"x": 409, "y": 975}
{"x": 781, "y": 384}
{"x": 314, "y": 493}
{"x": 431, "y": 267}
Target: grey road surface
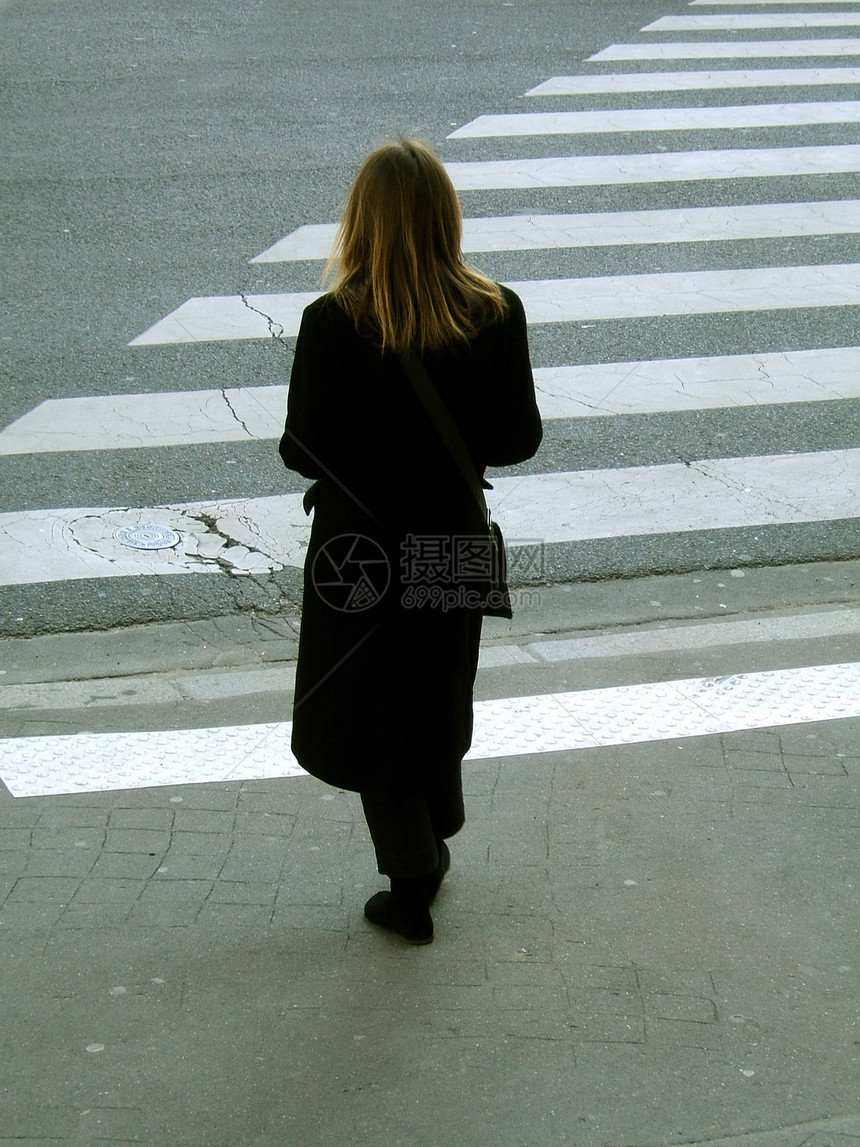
{"x": 150, "y": 152}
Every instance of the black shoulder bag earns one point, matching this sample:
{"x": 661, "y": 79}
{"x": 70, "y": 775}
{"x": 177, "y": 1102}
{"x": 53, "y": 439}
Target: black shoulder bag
{"x": 497, "y": 602}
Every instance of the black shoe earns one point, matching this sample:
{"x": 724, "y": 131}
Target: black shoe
{"x": 433, "y": 882}
{"x": 409, "y": 916}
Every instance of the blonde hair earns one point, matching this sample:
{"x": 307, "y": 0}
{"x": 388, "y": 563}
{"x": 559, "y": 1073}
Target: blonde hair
{"x": 396, "y": 267}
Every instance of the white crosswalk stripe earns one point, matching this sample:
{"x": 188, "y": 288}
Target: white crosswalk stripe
{"x": 269, "y": 533}
{"x": 661, "y": 119}
{"x": 229, "y": 317}
{"x": 659, "y": 167}
{"x": 252, "y": 413}
{"x": 614, "y": 228}
{"x": 738, "y": 50}
{"x": 744, "y": 22}
{"x": 551, "y": 300}
{"x": 758, "y": 3}
{"x": 627, "y": 82}
{"x": 689, "y": 293}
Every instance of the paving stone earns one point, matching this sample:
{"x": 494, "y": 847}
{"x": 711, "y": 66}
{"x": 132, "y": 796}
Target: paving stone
{"x": 754, "y": 760}
{"x": 182, "y": 866}
{"x": 266, "y": 823}
{"x": 524, "y": 973}
{"x": 155, "y": 819}
{"x": 839, "y": 765}
{"x": 158, "y": 891}
{"x": 164, "y": 914}
{"x": 65, "y": 838}
{"x": 20, "y": 1121}
{"x": 98, "y": 914}
{"x": 114, "y": 1125}
{"x": 36, "y": 889}
{"x": 14, "y": 839}
{"x": 64, "y": 815}
{"x": 203, "y": 820}
{"x": 60, "y": 862}
{"x": 140, "y": 841}
{"x": 214, "y": 845}
{"x": 266, "y": 797}
{"x": 280, "y": 650}
{"x": 98, "y": 890}
{"x": 252, "y": 917}
{"x": 602, "y": 1026}
{"x": 327, "y": 916}
{"x": 125, "y": 865}
{"x": 530, "y": 997}
{"x": 244, "y": 892}
{"x": 759, "y": 778}
{"x": 29, "y": 915}
{"x": 18, "y": 814}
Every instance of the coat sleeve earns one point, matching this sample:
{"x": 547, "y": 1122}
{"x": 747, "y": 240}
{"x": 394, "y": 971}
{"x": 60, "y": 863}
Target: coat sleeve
{"x": 512, "y": 419}
{"x": 304, "y": 439}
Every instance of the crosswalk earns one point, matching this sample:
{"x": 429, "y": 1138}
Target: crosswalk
{"x": 744, "y": 206}
{"x": 741, "y": 139}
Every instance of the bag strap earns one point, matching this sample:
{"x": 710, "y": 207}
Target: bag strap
{"x": 447, "y": 428}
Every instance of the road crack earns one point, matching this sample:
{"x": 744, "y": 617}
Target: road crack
{"x": 276, "y": 330}
{"x": 221, "y": 559}
{"x": 235, "y": 414}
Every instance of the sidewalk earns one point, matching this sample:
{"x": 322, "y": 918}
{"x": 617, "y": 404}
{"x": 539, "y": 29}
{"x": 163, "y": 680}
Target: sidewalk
{"x": 644, "y": 942}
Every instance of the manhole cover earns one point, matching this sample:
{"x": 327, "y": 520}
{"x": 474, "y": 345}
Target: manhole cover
{"x": 147, "y": 537}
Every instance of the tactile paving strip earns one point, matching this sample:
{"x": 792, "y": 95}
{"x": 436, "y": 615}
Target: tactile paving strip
{"x": 507, "y": 727}
{"x": 661, "y": 711}
{"x": 97, "y": 762}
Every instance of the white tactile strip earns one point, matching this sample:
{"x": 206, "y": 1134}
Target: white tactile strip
{"x": 506, "y": 727}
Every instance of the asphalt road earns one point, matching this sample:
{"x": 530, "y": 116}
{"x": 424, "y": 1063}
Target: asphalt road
{"x": 150, "y": 151}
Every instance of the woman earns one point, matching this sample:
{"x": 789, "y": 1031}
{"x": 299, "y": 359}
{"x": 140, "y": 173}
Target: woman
{"x": 391, "y": 621}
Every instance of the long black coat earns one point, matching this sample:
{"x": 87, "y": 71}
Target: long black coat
{"x": 382, "y": 687}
